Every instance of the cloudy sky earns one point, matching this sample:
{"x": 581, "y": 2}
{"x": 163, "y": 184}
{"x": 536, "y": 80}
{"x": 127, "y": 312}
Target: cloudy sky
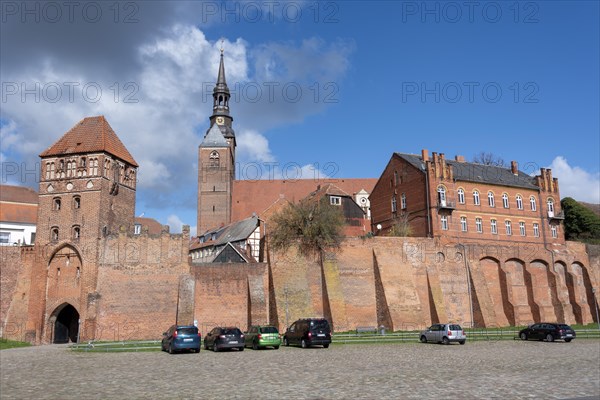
{"x": 326, "y": 88}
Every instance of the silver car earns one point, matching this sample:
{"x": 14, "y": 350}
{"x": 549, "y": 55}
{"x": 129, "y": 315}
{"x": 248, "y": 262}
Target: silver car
{"x": 443, "y": 333}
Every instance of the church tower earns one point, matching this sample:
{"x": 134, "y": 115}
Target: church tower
{"x": 216, "y": 161}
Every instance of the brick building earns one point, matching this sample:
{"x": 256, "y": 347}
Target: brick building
{"x": 459, "y": 200}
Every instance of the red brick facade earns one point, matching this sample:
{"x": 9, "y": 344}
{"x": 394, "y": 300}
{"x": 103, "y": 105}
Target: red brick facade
{"x": 466, "y": 201}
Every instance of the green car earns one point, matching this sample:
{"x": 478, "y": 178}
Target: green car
{"x": 262, "y": 336}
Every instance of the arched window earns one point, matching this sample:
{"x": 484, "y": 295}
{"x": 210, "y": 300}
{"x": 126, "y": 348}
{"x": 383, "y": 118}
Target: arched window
{"x": 519, "y": 202}
{"x": 76, "y": 232}
{"x": 550, "y": 206}
{"x": 56, "y": 203}
{"x": 76, "y": 202}
{"x": 504, "y": 200}
{"x": 491, "y": 201}
{"x": 48, "y": 169}
{"x": 394, "y": 205}
{"x": 476, "y": 200}
{"x": 54, "y": 234}
{"x": 461, "y": 196}
{"x": 214, "y": 159}
{"x": 403, "y": 201}
{"x": 532, "y": 203}
{"x": 93, "y": 167}
{"x": 441, "y": 195}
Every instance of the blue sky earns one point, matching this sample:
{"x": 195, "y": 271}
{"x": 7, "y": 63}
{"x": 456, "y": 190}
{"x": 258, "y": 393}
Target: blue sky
{"x": 320, "y": 88}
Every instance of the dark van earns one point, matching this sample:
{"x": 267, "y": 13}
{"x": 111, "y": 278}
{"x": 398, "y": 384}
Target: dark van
{"x": 308, "y": 332}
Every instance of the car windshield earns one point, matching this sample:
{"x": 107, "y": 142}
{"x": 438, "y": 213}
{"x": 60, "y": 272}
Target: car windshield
{"x": 187, "y": 330}
{"x": 231, "y": 331}
{"x": 319, "y": 324}
{"x": 455, "y": 328}
{"x": 269, "y": 329}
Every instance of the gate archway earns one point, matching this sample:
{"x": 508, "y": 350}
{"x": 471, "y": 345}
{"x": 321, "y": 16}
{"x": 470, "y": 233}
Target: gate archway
{"x": 66, "y": 324}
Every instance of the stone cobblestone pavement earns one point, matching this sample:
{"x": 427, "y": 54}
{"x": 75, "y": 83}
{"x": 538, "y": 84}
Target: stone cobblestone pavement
{"x": 477, "y": 370}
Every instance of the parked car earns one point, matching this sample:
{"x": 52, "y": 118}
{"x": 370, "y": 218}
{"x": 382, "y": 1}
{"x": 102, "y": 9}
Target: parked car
{"x": 308, "y": 332}
{"x": 224, "y": 338}
{"x": 260, "y": 336}
{"x": 181, "y": 337}
{"x": 443, "y": 333}
{"x": 548, "y": 332}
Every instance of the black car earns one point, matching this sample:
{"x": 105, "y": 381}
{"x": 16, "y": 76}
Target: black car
{"x": 181, "y": 337}
{"x": 224, "y": 338}
{"x": 548, "y": 331}
{"x": 308, "y": 332}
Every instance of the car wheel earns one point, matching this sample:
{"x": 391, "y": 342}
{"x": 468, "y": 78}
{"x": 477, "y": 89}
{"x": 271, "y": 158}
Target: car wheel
{"x": 275, "y": 347}
{"x": 445, "y": 340}
{"x": 326, "y": 345}
{"x": 170, "y": 349}
{"x": 198, "y": 349}
{"x": 285, "y": 342}
{"x": 303, "y": 344}
{"x": 549, "y": 338}
{"x": 523, "y": 336}
{"x": 254, "y": 345}
{"x": 215, "y": 348}
{"x": 241, "y": 348}
{"x": 462, "y": 342}
{"x": 423, "y": 339}
{"x": 205, "y": 346}
{"x": 568, "y": 340}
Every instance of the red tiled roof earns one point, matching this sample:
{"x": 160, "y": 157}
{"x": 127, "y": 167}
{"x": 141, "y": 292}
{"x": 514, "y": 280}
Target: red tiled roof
{"x": 18, "y": 204}
{"x": 154, "y": 227}
{"x": 256, "y": 196}
{"x": 90, "y": 135}
{"x": 18, "y": 194}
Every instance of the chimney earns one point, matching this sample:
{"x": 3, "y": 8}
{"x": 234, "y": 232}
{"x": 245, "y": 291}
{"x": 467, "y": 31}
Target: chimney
{"x": 425, "y": 155}
{"x": 435, "y": 157}
{"x": 514, "y": 167}
{"x": 460, "y": 159}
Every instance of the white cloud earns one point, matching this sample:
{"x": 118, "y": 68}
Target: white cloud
{"x": 576, "y": 182}
{"x": 251, "y": 145}
{"x": 175, "y": 224}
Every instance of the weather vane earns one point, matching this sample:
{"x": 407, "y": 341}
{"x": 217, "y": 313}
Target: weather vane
{"x": 222, "y": 40}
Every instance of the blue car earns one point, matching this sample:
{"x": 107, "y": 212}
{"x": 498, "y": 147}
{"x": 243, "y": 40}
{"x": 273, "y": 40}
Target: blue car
{"x": 181, "y": 337}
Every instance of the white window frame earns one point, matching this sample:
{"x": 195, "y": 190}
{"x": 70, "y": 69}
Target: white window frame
{"x": 444, "y": 222}
{"x": 554, "y": 230}
{"x": 403, "y": 201}
{"x": 394, "y": 204}
{"x": 476, "y": 199}
{"x": 463, "y": 224}
{"x": 536, "y": 230}
{"x": 522, "y": 229}
{"x": 519, "y": 200}
{"x": 532, "y": 203}
{"x": 550, "y": 204}
{"x": 491, "y": 200}
{"x": 4, "y": 237}
{"x": 505, "y": 203}
{"x": 508, "y": 227}
{"x": 335, "y": 200}
{"x": 461, "y": 196}
{"x": 479, "y": 225}
{"x": 494, "y": 226}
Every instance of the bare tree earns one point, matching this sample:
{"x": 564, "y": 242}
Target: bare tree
{"x": 489, "y": 159}
{"x": 401, "y": 227}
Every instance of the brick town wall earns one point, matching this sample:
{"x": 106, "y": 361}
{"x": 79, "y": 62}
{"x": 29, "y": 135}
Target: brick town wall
{"x": 15, "y": 280}
{"x": 138, "y": 281}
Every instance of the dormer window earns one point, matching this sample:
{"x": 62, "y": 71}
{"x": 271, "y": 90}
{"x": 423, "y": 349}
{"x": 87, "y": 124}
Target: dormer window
{"x": 335, "y": 200}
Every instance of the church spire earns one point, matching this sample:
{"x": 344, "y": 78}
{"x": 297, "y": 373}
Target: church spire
{"x": 221, "y": 96}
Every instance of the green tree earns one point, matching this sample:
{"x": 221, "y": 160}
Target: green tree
{"x": 312, "y": 226}
{"x": 580, "y": 222}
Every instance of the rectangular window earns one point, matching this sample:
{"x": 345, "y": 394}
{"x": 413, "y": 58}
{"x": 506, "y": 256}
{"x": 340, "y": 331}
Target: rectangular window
{"x": 4, "y": 237}
{"x": 505, "y": 200}
{"x": 403, "y": 201}
{"x": 394, "y": 204}
{"x": 463, "y": 224}
{"x": 494, "y": 226}
{"x": 519, "y": 202}
{"x": 335, "y": 200}
{"x": 522, "y": 228}
{"x": 444, "y": 220}
{"x": 138, "y": 229}
{"x": 508, "y": 226}
{"x": 479, "y": 225}
{"x": 461, "y": 196}
{"x": 536, "y": 230}
{"x": 554, "y": 230}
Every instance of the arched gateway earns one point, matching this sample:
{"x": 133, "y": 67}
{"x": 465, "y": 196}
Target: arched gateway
{"x": 66, "y": 324}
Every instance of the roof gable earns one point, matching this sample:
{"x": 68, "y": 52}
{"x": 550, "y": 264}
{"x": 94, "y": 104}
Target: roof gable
{"x": 214, "y": 138}
{"x": 90, "y": 135}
